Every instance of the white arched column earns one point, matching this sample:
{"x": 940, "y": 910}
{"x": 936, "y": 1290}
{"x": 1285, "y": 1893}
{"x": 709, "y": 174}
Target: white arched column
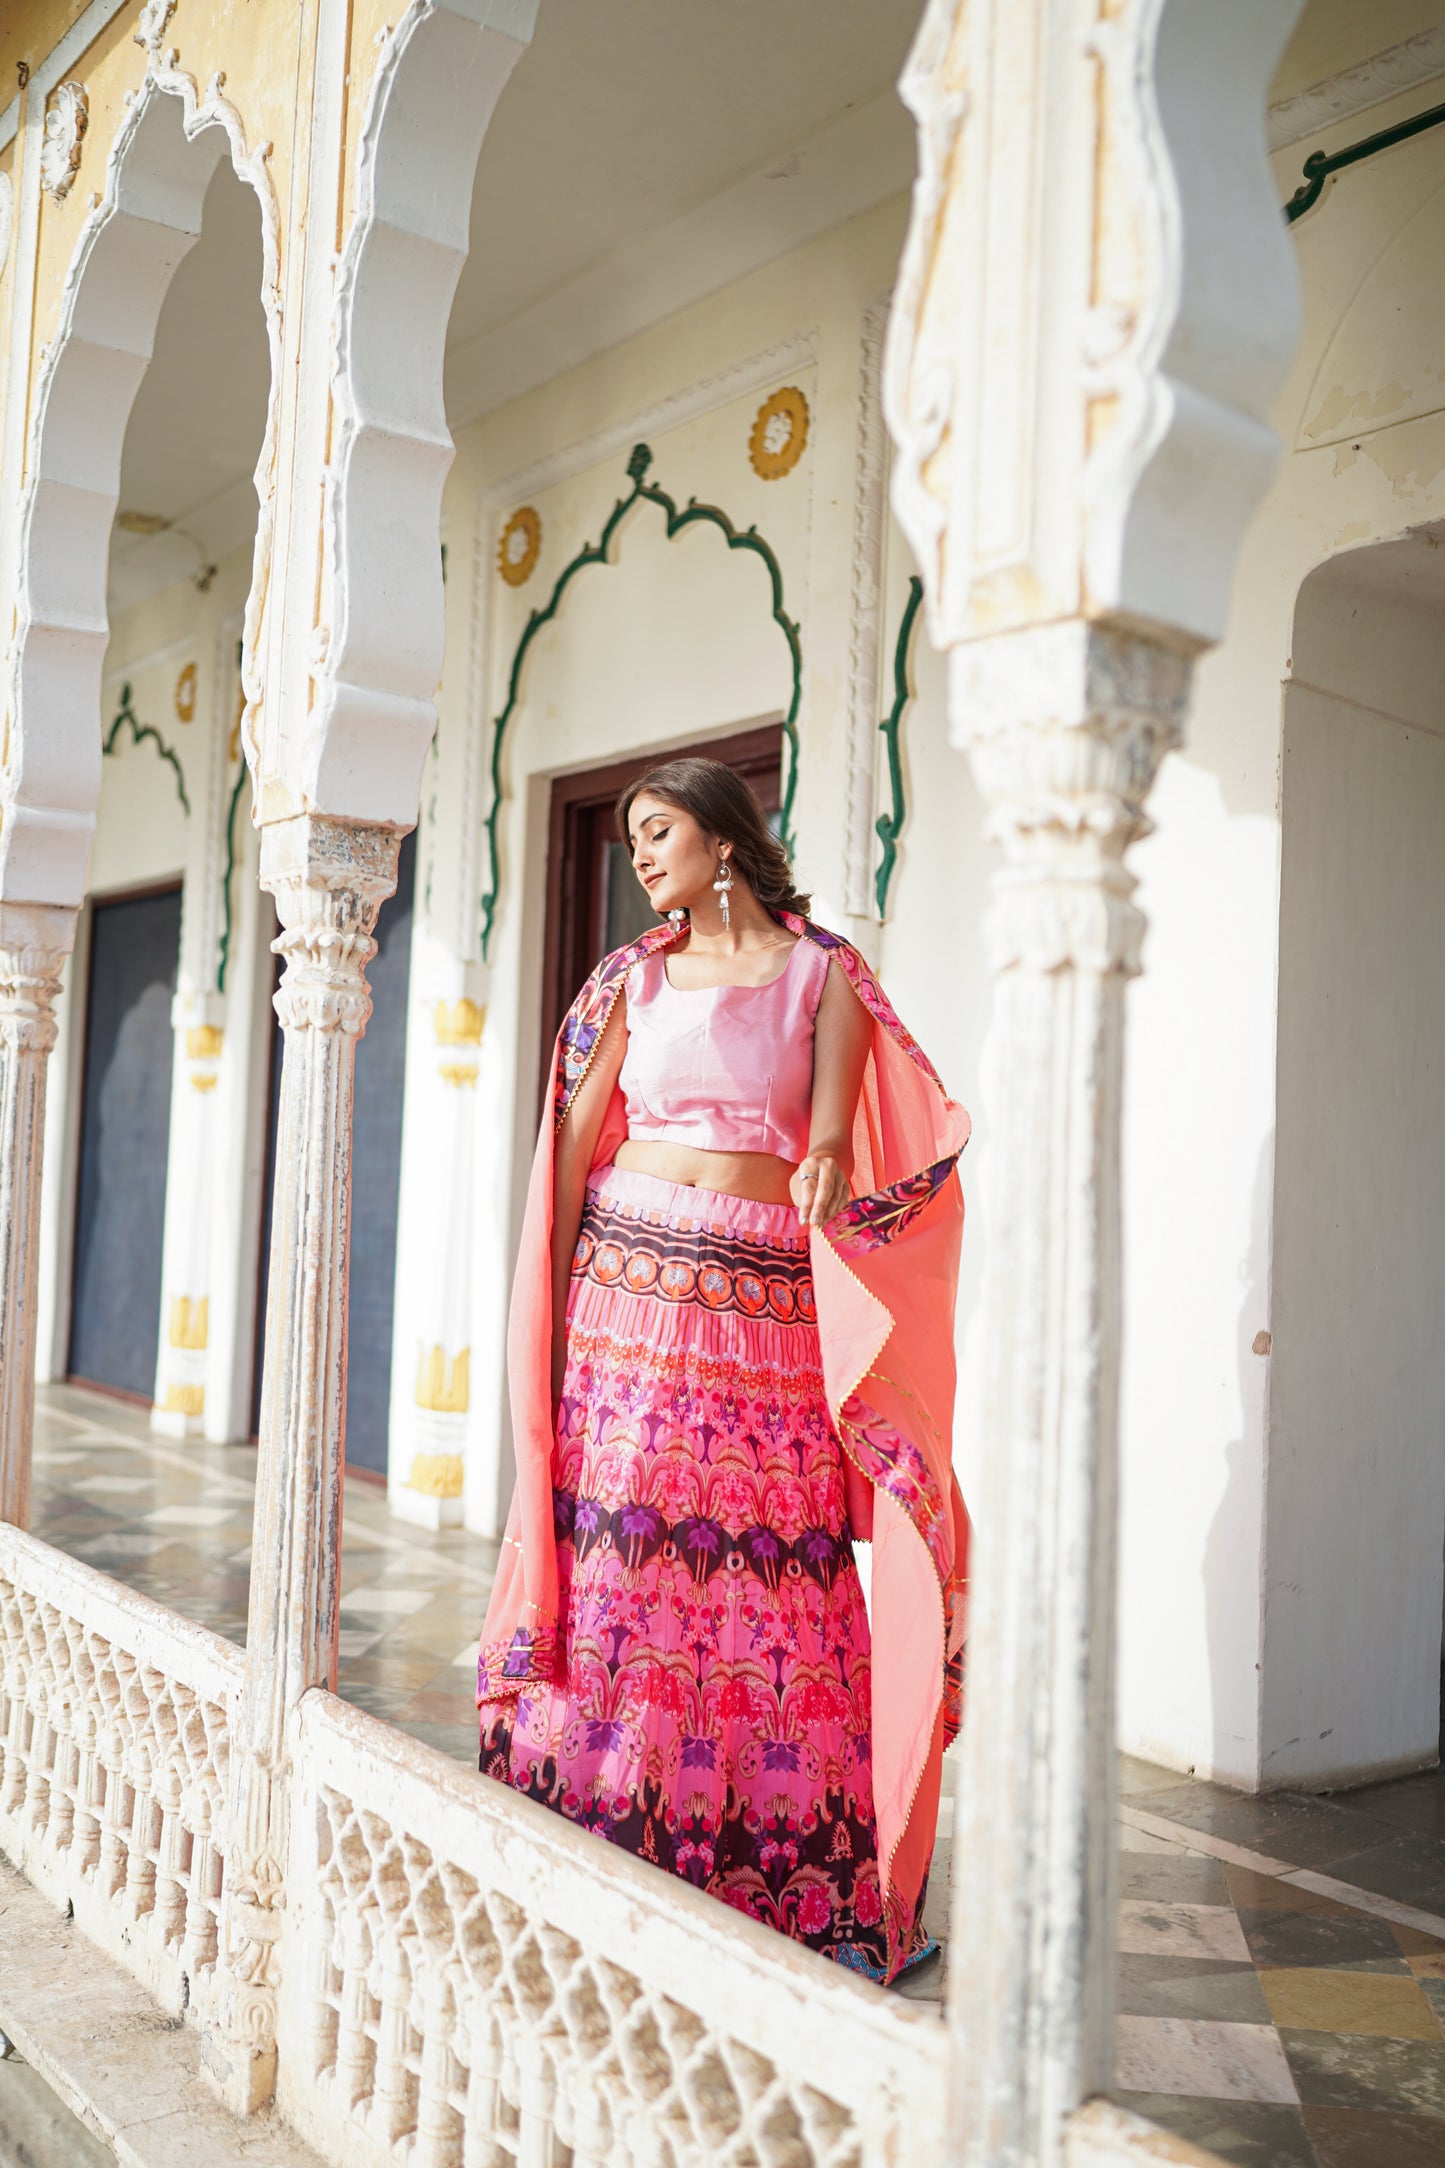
{"x": 1095, "y": 308}
{"x": 375, "y": 651}
{"x": 35, "y": 940}
{"x": 349, "y": 716}
{"x": 144, "y": 219}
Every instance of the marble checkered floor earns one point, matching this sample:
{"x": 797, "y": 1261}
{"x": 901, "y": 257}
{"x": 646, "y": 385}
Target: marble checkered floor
{"x": 1272, "y": 2009}
{"x": 1281, "y": 1960}
{"x": 175, "y": 1521}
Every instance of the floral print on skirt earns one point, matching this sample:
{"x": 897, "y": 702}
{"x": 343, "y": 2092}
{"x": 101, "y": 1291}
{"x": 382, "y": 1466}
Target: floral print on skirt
{"x": 711, "y": 1712}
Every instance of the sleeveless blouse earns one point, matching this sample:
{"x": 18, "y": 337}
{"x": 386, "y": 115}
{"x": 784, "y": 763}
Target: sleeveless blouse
{"x": 723, "y": 1068}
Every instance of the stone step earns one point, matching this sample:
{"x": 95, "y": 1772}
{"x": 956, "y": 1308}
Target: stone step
{"x": 130, "y": 2074}
{"x": 37, "y": 2130}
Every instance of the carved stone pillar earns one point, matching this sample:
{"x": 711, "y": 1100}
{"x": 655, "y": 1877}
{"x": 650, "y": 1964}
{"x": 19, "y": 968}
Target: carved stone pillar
{"x": 1066, "y": 726}
{"x": 329, "y": 880}
{"x": 1094, "y": 311}
{"x": 35, "y": 940}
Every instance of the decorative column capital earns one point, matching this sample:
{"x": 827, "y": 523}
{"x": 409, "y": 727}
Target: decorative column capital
{"x": 35, "y": 939}
{"x": 330, "y": 879}
{"x": 1066, "y": 725}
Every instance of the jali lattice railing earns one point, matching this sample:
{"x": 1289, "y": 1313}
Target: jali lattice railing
{"x": 114, "y": 1749}
{"x": 468, "y": 1980}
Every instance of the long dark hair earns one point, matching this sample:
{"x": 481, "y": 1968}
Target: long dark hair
{"x": 724, "y": 804}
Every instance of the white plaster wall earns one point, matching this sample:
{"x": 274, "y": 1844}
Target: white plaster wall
{"x": 1356, "y": 1491}
{"x": 1364, "y": 436}
{"x": 144, "y": 836}
{"x": 141, "y": 832}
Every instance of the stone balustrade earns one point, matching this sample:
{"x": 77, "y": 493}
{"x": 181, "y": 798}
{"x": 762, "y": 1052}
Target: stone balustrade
{"x": 465, "y": 1978}
{"x": 468, "y": 1979}
{"x": 115, "y": 1724}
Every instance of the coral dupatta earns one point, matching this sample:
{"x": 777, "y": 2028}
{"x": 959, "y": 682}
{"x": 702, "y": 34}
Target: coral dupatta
{"x": 885, "y": 1274}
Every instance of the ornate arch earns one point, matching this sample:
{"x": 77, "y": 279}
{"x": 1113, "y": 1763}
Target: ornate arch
{"x": 147, "y": 217}
{"x": 380, "y": 640}
{"x": 889, "y": 826}
{"x": 596, "y": 553}
{"x": 125, "y": 718}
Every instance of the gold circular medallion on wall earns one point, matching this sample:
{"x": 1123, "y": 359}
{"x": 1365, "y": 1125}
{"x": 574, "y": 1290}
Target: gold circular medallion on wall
{"x": 780, "y": 434}
{"x": 186, "y": 693}
{"x": 520, "y": 546}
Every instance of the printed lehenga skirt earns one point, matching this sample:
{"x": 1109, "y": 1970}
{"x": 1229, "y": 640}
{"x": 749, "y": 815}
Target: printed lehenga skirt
{"x": 711, "y": 1710}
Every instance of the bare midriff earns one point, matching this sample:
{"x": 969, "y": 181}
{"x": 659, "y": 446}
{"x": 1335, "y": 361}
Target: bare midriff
{"x": 760, "y": 1176}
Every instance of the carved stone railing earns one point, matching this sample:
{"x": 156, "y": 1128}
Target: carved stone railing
{"x": 115, "y": 1719}
{"x": 468, "y": 1979}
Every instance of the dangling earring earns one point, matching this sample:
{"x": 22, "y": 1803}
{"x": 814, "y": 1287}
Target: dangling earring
{"x": 676, "y": 919}
{"x": 722, "y": 887}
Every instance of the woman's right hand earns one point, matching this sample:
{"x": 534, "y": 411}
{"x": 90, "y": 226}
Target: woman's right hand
{"x": 819, "y": 1188}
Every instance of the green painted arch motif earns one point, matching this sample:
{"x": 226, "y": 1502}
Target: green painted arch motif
{"x": 890, "y": 825}
{"x": 126, "y": 718}
{"x": 228, "y": 877}
{"x": 596, "y": 553}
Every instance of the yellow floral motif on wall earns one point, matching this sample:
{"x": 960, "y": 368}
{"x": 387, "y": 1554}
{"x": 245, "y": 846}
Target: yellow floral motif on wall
{"x": 185, "y": 1400}
{"x": 520, "y": 546}
{"x": 444, "y": 1391}
{"x": 458, "y": 1023}
{"x": 186, "y": 694}
{"x": 780, "y": 434}
{"x": 204, "y": 1042}
{"x": 190, "y": 1321}
{"x": 437, "y": 1475}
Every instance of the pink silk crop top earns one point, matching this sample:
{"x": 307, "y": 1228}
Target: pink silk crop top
{"x": 723, "y": 1068}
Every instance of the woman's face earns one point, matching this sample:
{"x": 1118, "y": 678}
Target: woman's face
{"x": 675, "y": 859}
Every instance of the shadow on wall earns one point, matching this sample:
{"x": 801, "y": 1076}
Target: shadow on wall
{"x": 1234, "y": 1549}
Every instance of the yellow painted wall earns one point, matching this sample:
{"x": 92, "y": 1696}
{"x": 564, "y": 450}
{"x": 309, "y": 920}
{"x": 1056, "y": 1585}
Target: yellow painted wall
{"x": 29, "y": 29}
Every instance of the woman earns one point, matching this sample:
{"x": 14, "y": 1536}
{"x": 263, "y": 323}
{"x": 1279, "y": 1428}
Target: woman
{"x": 725, "y": 1368}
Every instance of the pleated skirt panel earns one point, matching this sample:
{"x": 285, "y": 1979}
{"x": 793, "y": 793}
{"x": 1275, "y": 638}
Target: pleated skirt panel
{"x": 711, "y": 1711}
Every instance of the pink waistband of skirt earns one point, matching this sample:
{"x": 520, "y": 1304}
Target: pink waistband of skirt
{"x": 646, "y": 1197}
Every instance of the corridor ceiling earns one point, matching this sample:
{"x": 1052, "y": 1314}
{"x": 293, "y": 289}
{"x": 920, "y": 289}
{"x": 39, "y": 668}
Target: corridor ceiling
{"x": 644, "y": 152}
{"x": 1334, "y": 34}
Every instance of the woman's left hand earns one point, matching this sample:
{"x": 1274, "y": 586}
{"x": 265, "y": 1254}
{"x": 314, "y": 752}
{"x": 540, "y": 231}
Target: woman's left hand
{"x": 819, "y": 1189}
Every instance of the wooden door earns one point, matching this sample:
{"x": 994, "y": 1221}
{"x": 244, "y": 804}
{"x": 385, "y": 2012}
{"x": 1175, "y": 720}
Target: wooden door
{"x": 594, "y": 901}
{"x": 125, "y": 1124}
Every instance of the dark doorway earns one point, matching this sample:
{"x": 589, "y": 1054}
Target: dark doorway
{"x": 594, "y": 903}
{"x": 125, "y": 1121}
{"x": 375, "y": 1186}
